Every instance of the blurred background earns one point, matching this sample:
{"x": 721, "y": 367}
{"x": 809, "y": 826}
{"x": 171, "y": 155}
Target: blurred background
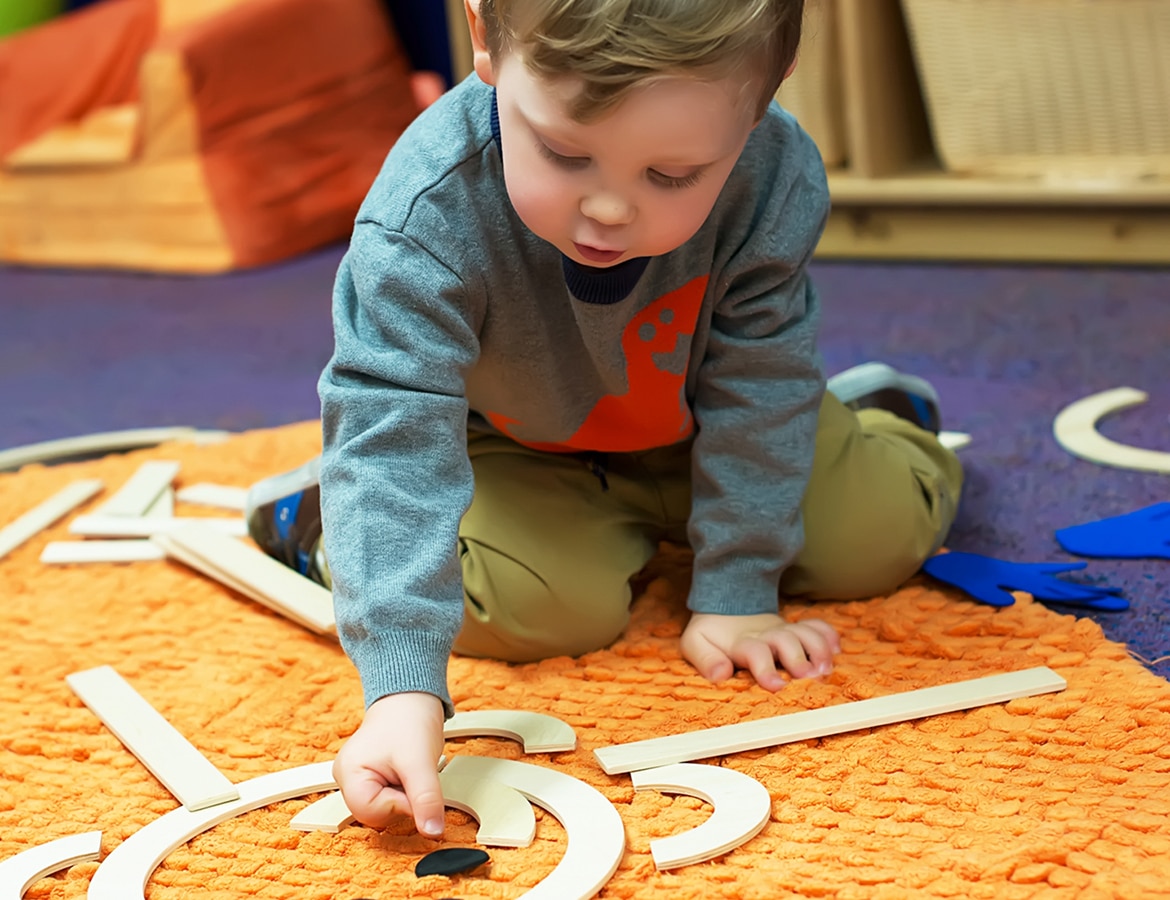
{"x": 178, "y": 179}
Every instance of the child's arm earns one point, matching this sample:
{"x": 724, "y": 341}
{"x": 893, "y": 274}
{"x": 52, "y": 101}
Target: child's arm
{"x": 756, "y": 404}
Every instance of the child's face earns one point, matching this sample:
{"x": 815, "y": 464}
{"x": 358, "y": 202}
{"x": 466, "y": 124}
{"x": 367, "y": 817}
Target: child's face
{"x": 639, "y": 181}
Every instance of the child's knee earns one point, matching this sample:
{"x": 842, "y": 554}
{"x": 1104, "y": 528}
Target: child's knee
{"x": 514, "y": 614}
{"x": 866, "y": 549}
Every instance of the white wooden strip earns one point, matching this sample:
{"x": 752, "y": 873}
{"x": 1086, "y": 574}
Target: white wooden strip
{"x": 329, "y": 814}
{"x": 19, "y": 873}
{"x": 505, "y": 817}
{"x": 125, "y": 527}
{"x": 171, "y": 758}
{"x": 103, "y": 443}
{"x": 1075, "y": 429}
{"x": 814, "y": 723}
{"x": 124, "y": 873}
{"x": 596, "y": 836}
{"x": 272, "y": 583}
{"x": 218, "y": 495}
{"x": 141, "y": 489}
{"x": 45, "y": 514}
{"x": 504, "y": 814}
{"x": 954, "y": 440}
{"x": 179, "y": 554}
{"x": 69, "y": 552}
{"x": 742, "y": 808}
{"x": 164, "y": 506}
{"x": 538, "y": 732}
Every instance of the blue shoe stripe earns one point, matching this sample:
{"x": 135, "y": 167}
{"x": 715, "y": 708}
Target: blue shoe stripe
{"x": 285, "y": 512}
{"x": 921, "y": 409}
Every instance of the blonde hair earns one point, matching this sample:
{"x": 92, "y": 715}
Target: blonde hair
{"x": 613, "y": 45}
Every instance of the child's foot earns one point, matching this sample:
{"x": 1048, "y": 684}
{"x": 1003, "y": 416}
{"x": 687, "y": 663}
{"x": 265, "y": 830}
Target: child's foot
{"x": 875, "y": 385}
{"x": 284, "y": 518}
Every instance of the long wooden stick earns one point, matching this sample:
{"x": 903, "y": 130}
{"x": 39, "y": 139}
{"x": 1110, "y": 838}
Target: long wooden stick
{"x": 45, "y": 514}
{"x": 814, "y": 723}
{"x": 171, "y": 758}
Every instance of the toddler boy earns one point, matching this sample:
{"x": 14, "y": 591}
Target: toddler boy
{"x": 575, "y": 319}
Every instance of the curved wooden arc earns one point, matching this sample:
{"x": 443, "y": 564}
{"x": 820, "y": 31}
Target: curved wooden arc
{"x": 742, "y": 808}
{"x": 19, "y": 873}
{"x": 102, "y": 443}
{"x": 1075, "y": 429}
{"x": 125, "y": 872}
{"x": 538, "y": 732}
{"x": 505, "y": 817}
{"x": 596, "y": 836}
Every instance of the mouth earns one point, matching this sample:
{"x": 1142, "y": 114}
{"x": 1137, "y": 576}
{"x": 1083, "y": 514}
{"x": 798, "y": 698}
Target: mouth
{"x": 596, "y": 254}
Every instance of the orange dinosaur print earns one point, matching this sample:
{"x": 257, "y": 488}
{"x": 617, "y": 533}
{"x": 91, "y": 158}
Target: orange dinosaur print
{"x": 653, "y": 412}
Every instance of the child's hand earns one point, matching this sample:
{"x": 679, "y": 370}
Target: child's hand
{"x": 718, "y": 645}
{"x": 390, "y": 765}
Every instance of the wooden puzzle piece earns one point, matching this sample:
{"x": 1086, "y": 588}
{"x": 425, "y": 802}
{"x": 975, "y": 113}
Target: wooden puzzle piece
{"x": 46, "y": 513}
{"x": 814, "y": 723}
{"x": 19, "y": 873}
{"x": 171, "y": 758}
{"x": 742, "y": 808}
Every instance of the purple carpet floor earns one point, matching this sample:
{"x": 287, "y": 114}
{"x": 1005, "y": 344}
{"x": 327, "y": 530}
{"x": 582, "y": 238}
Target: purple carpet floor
{"x": 1007, "y": 348}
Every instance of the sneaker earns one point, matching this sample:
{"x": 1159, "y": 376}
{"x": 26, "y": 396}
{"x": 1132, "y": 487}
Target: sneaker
{"x": 284, "y": 518}
{"x": 875, "y": 385}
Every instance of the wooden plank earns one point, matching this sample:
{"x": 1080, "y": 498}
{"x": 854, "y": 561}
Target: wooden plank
{"x": 885, "y": 117}
{"x": 171, "y": 758}
{"x": 79, "y": 552}
{"x": 141, "y": 489}
{"x": 923, "y": 183}
{"x": 1053, "y": 235}
{"x": 19, "y": 873}
{"x": 218, "y": 495}
{"x": 267, "y": 581}
{"x": 46, "y": 513}
{"x": 814, "y": 723}
{"x": 144, "y": 527}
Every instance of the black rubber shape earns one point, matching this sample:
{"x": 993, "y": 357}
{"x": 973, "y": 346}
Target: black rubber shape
{"x": 450, "y": 861}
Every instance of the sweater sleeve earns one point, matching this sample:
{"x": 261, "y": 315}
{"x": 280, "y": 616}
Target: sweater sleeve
{"x": 395, "y": 477}
{"x": 756, "y": 407}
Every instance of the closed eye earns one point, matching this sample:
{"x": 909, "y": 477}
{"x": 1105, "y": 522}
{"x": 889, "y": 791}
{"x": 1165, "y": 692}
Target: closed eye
{"x": 565, "y": 162}
{"x": 679, "y": 181}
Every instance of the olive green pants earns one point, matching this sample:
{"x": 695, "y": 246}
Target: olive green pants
{"x": 548, "y": 555}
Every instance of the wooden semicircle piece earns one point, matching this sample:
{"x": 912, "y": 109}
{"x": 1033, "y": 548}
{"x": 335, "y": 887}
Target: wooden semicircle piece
{"x": 1075, "y": 429}
{"x": 505, "y": 817}
{"x": 742, "y": 808}
{"x": 538, "y": 732}
{"x": 19, "y": 873}
{"x": 596, "y": 836}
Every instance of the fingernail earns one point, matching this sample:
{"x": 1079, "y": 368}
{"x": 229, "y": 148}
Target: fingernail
{"x": 433, "y": 827}
{"x": 824, "y": 669}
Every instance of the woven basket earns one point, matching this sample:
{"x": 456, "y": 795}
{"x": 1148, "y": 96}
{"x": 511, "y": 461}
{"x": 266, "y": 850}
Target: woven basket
{"x": 813, "y": 94}
{"x": 1046, "y": 87}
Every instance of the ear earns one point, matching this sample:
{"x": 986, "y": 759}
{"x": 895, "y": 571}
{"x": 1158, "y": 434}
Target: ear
{"x": 791, "y": 68}
{"x": 481, "y": 59}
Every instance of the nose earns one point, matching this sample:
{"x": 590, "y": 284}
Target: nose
{"x": 607, "y": 208}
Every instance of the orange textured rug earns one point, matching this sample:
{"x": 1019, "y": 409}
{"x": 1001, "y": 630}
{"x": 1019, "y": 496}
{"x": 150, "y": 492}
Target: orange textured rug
{"x": 1063, "y": 795}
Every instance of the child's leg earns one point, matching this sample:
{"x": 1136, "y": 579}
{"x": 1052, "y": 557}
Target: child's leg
{"x": 882, "y": 496}
{"x": 548, "y": 551}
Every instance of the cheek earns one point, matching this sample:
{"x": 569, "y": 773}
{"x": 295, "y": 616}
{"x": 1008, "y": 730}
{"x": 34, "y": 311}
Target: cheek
{"x": 676, "y": 222}
{"x": 537, "y": 197}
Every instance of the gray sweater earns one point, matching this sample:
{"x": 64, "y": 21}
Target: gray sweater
{"x": 450, "y": 314}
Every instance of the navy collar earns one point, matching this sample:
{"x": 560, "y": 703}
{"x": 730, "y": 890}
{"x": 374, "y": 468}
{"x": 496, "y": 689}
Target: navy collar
{"x": 603, "y": 286}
